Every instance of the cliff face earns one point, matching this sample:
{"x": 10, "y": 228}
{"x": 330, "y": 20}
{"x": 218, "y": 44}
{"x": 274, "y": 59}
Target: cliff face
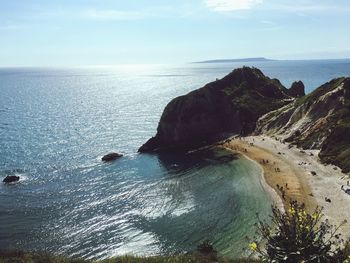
{"x": 297, "y": 89}
{"x": 246, "y": 101}
{"x": 320, "y": 120}
{"x": 230, "y": 105}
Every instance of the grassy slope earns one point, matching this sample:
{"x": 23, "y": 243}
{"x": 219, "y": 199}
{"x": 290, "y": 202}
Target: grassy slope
{"x": 232, "y": 104}
{"x": 21, "y": 257}
{"x": 253, "y": 94}
{"x": 336, "y": 148}
{"x": 313, "y": 96}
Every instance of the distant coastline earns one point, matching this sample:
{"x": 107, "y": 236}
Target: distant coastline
{"x": 262, "y": 59}
{"x": 257, "y": 59}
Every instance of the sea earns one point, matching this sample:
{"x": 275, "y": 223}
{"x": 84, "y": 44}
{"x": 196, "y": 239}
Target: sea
{"x": 57, "y": 123}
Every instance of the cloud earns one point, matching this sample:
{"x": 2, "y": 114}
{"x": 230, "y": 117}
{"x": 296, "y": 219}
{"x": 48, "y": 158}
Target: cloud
{"x": 231, "y": 5}
{"x": 296, "y": 6}
{"x": 307, "y": 6}
{"x": 267, "y": 22}
{"x": 109, "y": 15}
{"x": 120, "y": 15}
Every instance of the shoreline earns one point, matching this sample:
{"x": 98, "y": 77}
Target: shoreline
{"x": 285, "y": 182}
{"x": 293, "y": 169}
{"x": 275, "y": 197}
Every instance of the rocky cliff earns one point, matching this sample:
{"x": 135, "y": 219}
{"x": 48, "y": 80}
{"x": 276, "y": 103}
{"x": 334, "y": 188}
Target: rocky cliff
{"x": 297, "y": 89}
{"x": 246, "y": 101}
{"x": 232, "y": 104}
{"x": 320, "y": 120}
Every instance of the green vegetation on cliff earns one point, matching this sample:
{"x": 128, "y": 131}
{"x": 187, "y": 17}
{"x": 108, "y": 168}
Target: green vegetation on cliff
{"x": 319, "y": 120}
{"x": 332, "y": 130}
{"x": 336, "y": 148}
{"x": 247, "y": 101}
{"x": 229, "y": 105}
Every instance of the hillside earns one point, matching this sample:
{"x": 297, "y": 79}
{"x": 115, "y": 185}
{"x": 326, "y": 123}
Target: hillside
{"x": 231, "y": 105}
{"x": 248, "y": 102}
{"x": 319, "y": 120}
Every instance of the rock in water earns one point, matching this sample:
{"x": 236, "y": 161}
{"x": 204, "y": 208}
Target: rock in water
{"x": 11, "y": 179}
{"x": 111, "y": 157}
{"x": 297, "y": 89}
{"x": 229, "y": 105}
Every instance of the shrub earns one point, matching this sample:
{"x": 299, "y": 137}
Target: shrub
{"x": 296, "y": 236}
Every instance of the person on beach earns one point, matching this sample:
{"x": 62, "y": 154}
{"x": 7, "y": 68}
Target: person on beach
{"x": 347, "y": 191}
{"x": 328, "y": 200}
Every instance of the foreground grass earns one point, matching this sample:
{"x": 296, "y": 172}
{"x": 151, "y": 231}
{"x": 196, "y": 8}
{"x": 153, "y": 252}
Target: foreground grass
{"x": 174, "y": 259}
{"x": 22, "y": 257}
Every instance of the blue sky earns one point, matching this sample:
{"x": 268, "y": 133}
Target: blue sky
{"x": 101, "y": 32}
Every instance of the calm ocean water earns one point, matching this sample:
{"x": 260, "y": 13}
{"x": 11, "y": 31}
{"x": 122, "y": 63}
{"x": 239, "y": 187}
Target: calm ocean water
{"x": 55, "y": 124}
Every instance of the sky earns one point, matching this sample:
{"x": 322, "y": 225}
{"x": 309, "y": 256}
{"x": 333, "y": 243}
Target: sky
{"x": 105, "y": 32}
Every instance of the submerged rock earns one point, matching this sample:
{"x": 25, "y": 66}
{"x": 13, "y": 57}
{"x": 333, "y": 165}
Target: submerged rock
{"x": 11, "y": 179}
{"x": 111, "y": 157}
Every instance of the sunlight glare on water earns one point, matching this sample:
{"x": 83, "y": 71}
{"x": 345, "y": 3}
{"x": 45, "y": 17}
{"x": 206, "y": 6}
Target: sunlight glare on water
{"x": 56, "y": 124}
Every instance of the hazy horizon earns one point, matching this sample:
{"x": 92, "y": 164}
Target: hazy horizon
{"x": 84, "y": 33}
{"x": 135, "y": 65}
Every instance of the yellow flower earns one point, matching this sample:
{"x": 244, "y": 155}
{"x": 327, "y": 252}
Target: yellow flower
{"x": 253, "y": 246}
{"x": 301, "y": 215}
{"x": 315, "y": 215}
{"x": 291, "y": 210}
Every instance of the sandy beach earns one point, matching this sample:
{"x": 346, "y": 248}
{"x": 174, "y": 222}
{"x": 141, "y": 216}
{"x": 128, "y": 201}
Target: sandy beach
{"x": 298, "y": 175}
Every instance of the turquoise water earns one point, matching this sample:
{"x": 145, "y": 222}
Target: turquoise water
{"x": 55, "y": 124}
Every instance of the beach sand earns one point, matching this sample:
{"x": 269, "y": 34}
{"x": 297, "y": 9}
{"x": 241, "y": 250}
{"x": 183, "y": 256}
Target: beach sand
{"x": 292, "y": 169}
